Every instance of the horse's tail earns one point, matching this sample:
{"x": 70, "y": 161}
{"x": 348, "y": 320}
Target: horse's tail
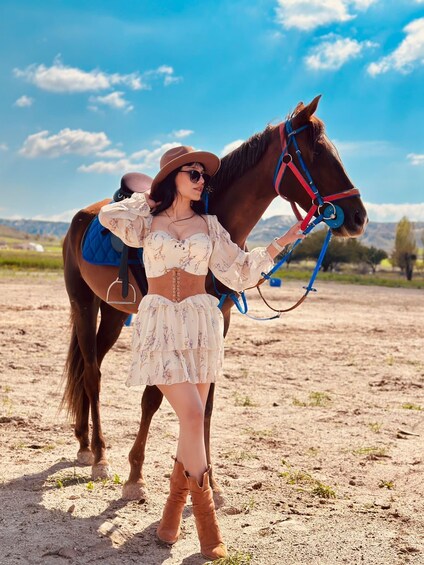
{"x": 73, "y": 395}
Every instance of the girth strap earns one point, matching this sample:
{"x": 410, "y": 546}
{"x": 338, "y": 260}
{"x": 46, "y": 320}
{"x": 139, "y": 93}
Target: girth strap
{"x": 123, "y": 271}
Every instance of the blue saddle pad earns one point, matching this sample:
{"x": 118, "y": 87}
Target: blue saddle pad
{"x": 97, "y": 246}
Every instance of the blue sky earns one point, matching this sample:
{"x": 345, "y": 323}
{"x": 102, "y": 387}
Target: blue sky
{"x": 91, "y": 90}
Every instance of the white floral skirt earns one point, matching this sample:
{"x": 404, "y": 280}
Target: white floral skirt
{"x": 175, "y": 342}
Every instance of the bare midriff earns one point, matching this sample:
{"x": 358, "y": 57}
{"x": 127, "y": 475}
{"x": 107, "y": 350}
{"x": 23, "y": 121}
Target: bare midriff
{"x": 177, "y": 284}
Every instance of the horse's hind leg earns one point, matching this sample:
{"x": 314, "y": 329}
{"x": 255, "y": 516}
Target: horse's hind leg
{"x": 81, "y": 362}
{"x": 85, "y": 319}
{"x": 111, "y": 323}
{"x": 135, "y": 487}
{"x": 77, "y": 399}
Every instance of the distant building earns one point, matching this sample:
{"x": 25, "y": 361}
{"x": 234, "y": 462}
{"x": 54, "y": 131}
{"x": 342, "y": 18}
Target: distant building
{"x": 35, "y": 247}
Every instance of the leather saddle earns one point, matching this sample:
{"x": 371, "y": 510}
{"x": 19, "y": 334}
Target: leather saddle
{"x": 101, "y": 247}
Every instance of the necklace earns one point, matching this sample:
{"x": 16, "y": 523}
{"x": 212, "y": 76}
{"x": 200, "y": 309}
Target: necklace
{"x": 181, "y": 219}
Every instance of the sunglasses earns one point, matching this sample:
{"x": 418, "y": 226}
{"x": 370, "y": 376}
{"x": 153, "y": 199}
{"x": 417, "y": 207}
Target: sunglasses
{"x": 196, "y": 175}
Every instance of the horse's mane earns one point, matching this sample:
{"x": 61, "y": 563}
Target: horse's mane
{"x": 239, "y": 161}
{"x": 235, "y": 165}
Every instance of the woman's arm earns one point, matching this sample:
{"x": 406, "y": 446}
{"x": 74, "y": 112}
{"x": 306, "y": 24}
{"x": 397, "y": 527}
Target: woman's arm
{"x": 129, "y": 219}
{"x": 240, "y": 269}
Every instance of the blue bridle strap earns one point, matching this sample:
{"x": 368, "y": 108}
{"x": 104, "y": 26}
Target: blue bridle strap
{"x": 317, "y": 202}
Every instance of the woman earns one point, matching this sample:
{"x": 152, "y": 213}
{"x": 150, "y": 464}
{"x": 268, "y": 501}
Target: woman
{"x": 178, "y": 332}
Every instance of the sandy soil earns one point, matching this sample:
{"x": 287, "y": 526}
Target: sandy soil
{"x": 310, "y": 405}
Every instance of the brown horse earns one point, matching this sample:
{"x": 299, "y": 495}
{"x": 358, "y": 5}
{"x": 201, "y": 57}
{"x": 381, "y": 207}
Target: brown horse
{"x": 243, "y": 189}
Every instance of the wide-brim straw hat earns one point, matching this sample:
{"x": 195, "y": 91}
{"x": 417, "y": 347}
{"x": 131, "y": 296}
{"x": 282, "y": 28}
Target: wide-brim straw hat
{"x": 182, "y": 155}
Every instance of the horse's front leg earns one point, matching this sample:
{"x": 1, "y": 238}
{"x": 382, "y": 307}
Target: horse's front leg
{"x": 135, "y": 487}
{"x": 217, "y": 491}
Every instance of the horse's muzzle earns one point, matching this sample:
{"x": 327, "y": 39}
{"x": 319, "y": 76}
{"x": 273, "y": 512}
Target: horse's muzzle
{"x": 355, "y": 221}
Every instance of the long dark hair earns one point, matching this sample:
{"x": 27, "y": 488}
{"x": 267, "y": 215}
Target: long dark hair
{"x": 166, "y": 192}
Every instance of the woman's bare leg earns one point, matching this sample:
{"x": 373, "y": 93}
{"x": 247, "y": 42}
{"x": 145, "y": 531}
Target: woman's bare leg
{"x": 188, "y": 402}
{"x": 203, "y": 389}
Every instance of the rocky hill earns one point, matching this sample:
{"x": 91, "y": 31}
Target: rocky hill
{"x": 378, "y": 234}
{"x": 37, "y": 227}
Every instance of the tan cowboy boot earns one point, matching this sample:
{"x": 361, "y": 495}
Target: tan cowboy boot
{"x": 211, "y": 544}
{"x": 169, "y": 528}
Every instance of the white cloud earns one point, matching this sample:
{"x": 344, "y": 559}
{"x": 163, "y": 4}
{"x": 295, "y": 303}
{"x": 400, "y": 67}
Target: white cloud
{"x": 416, "y": 158}
{"x": 151, "y": 157}
{"x": 332, "y": 55}
{"x": 24, "y": 102}
{"x": 60, "y": 217}
{"x": 113, "y": 100}
{"x": 376, "y": 212}
{"x": 110, "y": 167}
{"x": 363, "y": 4}
{"x": 180, "y": 133}
{"x": 309, "y": 14}
{"x": 363, "y": 147}
{"x": 66, "y": 142}
{"x": 61, "y": 78}
{"x": 231, "y": 146}
{"x": 168, "y": 80}
{"x": 164, "y": 72}
{"x": 165, "y": 69}
{"x": 394, "y": 212}
{"x": 409, "y": 54}
{"x": 111, "y": 154}
{"x": 4, "y": 147}
{"x": 279, "y": 207}
{"x": 143, "y": 160}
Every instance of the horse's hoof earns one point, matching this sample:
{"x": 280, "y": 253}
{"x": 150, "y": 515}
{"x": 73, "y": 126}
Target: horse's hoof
{"x": 134, "y": 491}
{"x": 101, "y": 471}
{"x": 218, "y": 495}
{"x": 85, "y": 457}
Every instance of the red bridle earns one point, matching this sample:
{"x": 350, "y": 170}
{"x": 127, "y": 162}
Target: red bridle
{"x": 288, "y": 135}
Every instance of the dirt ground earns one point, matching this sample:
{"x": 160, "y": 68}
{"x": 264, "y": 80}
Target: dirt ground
{"x": 317, "y": 437}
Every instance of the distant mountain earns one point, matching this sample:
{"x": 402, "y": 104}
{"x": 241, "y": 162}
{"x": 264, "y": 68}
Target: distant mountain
{"x": 9, "y": 232}
{"x": 378, "y": 234}
{"x": 38, "y": 227}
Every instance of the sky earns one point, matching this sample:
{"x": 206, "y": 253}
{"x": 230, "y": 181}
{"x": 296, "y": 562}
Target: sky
{"x": 91, "y": 90}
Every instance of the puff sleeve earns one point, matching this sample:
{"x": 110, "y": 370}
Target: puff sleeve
{"x": 129, "y": 219}
{"x": 234, "y": 267}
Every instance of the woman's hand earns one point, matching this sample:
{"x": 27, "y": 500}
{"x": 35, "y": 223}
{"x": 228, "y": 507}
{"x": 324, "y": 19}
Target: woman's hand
{"x": 292, "y": 235}
{"x": 151, "y": 203}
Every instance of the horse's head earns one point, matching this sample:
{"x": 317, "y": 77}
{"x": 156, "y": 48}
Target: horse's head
{"x": 326, "y": 170}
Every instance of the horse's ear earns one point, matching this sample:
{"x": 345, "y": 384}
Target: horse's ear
{"x": 313, "y": 105}
{"x": 307, "y": 111}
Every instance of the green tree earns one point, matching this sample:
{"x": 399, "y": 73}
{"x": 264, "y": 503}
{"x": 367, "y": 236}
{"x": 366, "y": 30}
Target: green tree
{"x": 339, "y": 250}
{"x": 405, "y": 251}
{"x": 372, "y": 256}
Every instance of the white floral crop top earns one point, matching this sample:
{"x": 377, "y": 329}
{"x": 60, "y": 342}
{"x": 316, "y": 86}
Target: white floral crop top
{"x": 131, "y": 221}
